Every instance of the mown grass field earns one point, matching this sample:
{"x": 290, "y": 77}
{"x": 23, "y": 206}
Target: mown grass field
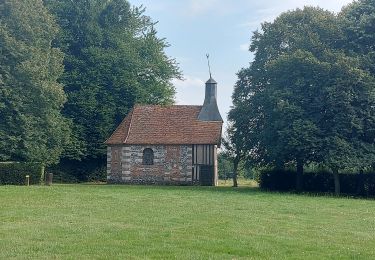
{"x": 143, "y": 222}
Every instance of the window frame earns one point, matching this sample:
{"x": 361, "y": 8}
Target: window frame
{"x": 148, "y": 157}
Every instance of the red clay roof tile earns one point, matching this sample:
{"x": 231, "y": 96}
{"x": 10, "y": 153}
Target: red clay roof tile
{"x": 154, "y": 124}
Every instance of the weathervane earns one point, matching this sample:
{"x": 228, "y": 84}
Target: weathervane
{"x": 208, "y": 61}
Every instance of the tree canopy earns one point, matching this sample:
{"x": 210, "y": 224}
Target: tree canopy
{"x": 307, "y": 99}
{"x": 113, "y": 59}
{"x": 70, "y": 71}
{"x": 32, "y": 127}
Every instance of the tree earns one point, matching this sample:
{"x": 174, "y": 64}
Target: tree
{"x": 224, "y": 166}
{"x": 349, "y": 132}
{"x": 113, "y": 59}
{"x": 358, "y": 23}
{"x": 329, "y": 121}
{"x": 246, "y": 117}
{"x": 233, "y": 145}
{"x": 306, "y": 94}
{"x": 32, "y": 127}
{"x": 281, "y": 129}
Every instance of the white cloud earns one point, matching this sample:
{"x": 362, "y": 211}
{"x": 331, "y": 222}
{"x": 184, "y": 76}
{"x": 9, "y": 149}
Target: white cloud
{"x": 213, "y": 7}
{"x": 183, "y": 59}
{"x": 244, "y": 47}
{"x": 187, "y": 82}
{"x": 267, "y": 11}
{"x": 198, "y": 6}
{"x": 189, "y": 91}
{"x": 250, "y": 24}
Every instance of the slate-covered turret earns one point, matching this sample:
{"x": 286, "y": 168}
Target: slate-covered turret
{"x": 210, "y": 111}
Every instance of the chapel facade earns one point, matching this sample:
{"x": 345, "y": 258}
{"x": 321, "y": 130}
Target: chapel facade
{"x": 174, "y": 145}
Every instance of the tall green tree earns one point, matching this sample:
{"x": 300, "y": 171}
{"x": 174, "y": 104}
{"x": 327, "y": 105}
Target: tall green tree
{"x": 32, "y": 127}
{"x": 281, "y": 132}
{"x": 113, "y": 59}
{"x": 321, "y": 110}
{"x": 309, "y": 99}
{"x": 358, "y": 23}
{"x": 234, "y": 149}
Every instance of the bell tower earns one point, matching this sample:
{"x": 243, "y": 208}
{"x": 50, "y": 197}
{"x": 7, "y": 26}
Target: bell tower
{"x": 210, "y": 111}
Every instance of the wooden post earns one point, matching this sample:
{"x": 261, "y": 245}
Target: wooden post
{"x": 27, "y": 181}
{"x": 299, "y": 176}
{"x": 336, "y": 178}
{"x": 42, "y": 174}
{"x": 49, "y": 179}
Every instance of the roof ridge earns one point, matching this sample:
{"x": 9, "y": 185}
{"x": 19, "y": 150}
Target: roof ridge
{"x": 166, "y": 106}
{"x": 130, "y": 124}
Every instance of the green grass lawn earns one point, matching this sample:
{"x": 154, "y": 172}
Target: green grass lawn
{"x": 137, "y": 222}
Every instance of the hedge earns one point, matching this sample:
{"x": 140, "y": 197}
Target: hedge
{"x": 285, "y": 180}
{"x": 14, "y": 173}
{"x": 72, "y": 171}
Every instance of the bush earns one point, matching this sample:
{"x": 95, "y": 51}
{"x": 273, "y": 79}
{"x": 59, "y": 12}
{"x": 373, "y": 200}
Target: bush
{"x": 62, "y": 177}
{"x": 320, "y": 181}
{"x": 72, "y": 171}
{"x": 99, "y": 175}
{"x": 277, "y": 180}
{"x": 14, "y": 173}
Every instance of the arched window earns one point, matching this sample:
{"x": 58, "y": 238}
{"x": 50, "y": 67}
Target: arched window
{"x": 148, "y": 157}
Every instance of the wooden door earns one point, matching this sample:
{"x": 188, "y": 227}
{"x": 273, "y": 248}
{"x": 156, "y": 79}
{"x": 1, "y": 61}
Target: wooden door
{"x": 206, "y": 175}
{"x": 116, "y": 160}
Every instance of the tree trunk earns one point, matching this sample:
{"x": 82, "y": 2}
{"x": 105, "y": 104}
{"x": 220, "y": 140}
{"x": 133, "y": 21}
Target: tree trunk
{"x": 336, "y": 178}
{"x": 235, "y": 168}
{"x": 42, "y": 174}
{"x": 299, "y": 176}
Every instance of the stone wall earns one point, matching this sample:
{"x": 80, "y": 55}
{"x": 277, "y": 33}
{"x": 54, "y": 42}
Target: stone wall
{"x": 172, "y": 165}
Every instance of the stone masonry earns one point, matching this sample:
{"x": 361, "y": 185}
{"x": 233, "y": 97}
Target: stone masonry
{"x": 172, "y": 164}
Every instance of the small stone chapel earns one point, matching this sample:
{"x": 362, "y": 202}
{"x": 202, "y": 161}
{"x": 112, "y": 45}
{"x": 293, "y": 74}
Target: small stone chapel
{"x": 174, "y": 145}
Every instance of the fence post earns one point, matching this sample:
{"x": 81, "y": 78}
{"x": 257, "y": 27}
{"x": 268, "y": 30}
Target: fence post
{"x": 49, "y": 179}
{"x": 42, "y": 174}
{"x": 27, "y": 181}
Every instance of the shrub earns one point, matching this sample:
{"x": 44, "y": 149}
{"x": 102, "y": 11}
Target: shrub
{"x": 62, "y": 177}
{"x": 14, "y": 173}
{"x": 277, "y": 180}
{"x": 319, "y": 181}
{"x": 72, "y": 171}
{"x": 99, "y": 175}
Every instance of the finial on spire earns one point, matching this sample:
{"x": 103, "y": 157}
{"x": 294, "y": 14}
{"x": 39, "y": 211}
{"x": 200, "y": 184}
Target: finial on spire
{"x": 208, "y": 61}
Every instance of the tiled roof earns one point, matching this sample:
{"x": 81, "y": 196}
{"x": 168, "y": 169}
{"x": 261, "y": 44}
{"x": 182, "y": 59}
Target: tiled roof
{"x": 153, "y": 124}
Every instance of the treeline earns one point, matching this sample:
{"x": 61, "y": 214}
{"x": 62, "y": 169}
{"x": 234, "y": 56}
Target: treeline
{"x": 308, "y": 97}
{"x": 69, "y": 73}
{"x": 318, "y": 181}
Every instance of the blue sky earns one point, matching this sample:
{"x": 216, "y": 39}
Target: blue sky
{"x": 223, "y": 29}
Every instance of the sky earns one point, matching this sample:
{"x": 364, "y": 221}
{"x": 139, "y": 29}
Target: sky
{"x": 221, "y": 28}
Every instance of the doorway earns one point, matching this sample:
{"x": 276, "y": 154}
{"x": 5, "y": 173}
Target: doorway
{"x": 207, "y": 175}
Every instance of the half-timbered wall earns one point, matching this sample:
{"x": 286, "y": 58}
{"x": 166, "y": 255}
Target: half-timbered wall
{"x": 171, "y": 164}
{"x": 204, "y": 162}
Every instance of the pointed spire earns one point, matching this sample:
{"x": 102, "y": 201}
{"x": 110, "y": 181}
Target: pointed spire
{"x": 210, "y": 111}
{"x": 208, "y": 62}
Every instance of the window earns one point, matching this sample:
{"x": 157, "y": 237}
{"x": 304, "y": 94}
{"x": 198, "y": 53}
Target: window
{"x": 148, "y": 157}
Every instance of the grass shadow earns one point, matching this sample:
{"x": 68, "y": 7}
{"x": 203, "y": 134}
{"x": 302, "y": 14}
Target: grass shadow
{"x": 221, "y": 189}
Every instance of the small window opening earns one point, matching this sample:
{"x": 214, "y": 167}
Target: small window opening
{"x": 148, "y": 156}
